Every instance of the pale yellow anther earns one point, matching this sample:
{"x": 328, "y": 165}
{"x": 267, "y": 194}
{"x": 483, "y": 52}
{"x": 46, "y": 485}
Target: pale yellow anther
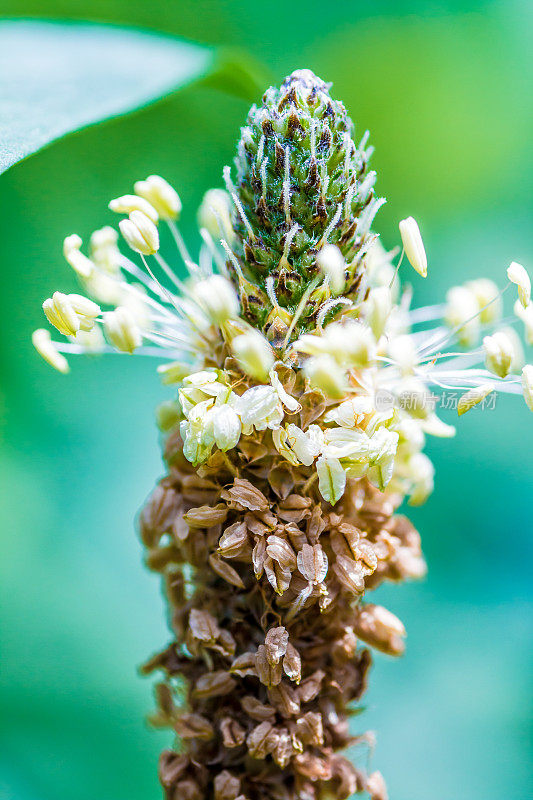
{"x": 214, "y": 214}
{"x": 82, "y": 265}
{"x": 46, "y": 348}
{"x": 161, "y": 195}
{"x": 527, "y": 385}
{"x": 121, "y": 329}
{"x": 517, "y": 274}
{"x": 488, "y": 299}
{"x": 140, "y": 233}
{"x": 132, "y": 202}
{"x": 378, "y": 307}
{"x": 217, "y": 296}
{"x": 70, "y": 312}
{"x": 462, "y": 314}
{"x": 526, "y": 315}
{"x": 473, "y": 397}
{"x": 331, "y": 262}
{"x": 499, "y": 353}
{"x": 254, "y": 354}
{"x": 413, "y": 245}
{"x": 326, "y": 374}
{"x": 104, "y": 250}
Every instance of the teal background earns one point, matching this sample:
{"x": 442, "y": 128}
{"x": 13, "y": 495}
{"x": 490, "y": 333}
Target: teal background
{"x": 445, "y": 89}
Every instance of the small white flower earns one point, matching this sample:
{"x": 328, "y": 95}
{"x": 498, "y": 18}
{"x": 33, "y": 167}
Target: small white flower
{"x": 214, "y": 214}
{"x": 254, "y": 354}
{"x": 218, "y": 298}
{"x": 122, "y": 330}
{"x": 527, "y": 385}
{"x": 283, "y": 446}
{"x": 346, "y": 443}
{"x": 499, "y": 353}
{"x": 259, "y": 407}
{"x": 291, "y": 404}
{"x": 350, "y": 412}
{"x": 331, "y": 262}
{"x": 82, "y": 265}
{"x": 46, "y": 348}
{"x": 382, "y": 450}
{"x": 306, "y": 446}
{"x": 413, "y": 245}
{"x": 197, "y": 438}
{"x": 226, "y": 426}
{"x": 473, "y": 397}
{"x": 140, "y": 233}
{"x": 331, "y": 479}
{"x": 518, "y": 275}
{"x": 161, "y": 196}
{"x": 131, "y": 202}
{"x": 199, "y": 379}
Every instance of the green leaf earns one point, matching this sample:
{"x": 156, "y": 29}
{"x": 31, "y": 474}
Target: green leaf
{"x": 65, "y": 76}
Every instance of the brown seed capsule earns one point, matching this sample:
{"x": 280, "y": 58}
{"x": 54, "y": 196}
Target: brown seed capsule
{"x": 292, "y": 664}
{"x": 258, "y": 741}
{"x": 214, "y": 684}
{"x": 257, "y": 710}
{"x": 243, "y": 495}
{"x": 193, "y": 726}
{"x": 206, "y": 516}
{"x": 376, "y": 626}
{"x": 276, "y": 642}
{"x": 269, "y": 674}
{"x": 203, "y": 626}
{"x": 233, "y": 734}
{"x": 376, "y": 788}
{"x": 227, "y": 786}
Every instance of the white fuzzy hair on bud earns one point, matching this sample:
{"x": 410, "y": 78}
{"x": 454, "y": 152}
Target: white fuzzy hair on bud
{"x": 413, "y": 245}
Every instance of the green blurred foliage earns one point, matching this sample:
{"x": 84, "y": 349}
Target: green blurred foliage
{"x": 445, "y": 89}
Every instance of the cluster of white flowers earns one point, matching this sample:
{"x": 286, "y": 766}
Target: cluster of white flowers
{"x": 374, "y": 362}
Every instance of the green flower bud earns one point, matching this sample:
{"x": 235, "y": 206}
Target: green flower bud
{"x": 301, "y": 183}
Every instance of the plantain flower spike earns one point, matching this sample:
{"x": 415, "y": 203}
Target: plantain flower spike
{"x": 299, "y": 399}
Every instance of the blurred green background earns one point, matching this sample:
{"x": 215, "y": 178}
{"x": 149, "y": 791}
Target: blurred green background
{"x": 445, "y": 88}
